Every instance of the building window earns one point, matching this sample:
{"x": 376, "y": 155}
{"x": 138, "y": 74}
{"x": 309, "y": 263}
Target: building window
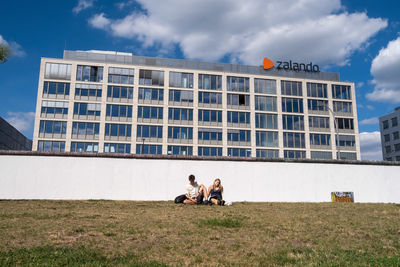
{"x": 397, "y": 158}
{"x": 266, "y": 121}
{"x": 234, "y": 117}
{"x": 267, "y": 153}
{"x": 265, "y": 103}
{"x": 346, "y": 141}
{"x": 56, "y": 90}
{"x": 180, "y": 150}
{"x": 148, "y": 149}
{"x": 239, "y": 152}
{"x": 320, "y": 139}
{"x": 394, "y": 122}
{"x": 317, "y": 90}
{"x": 180, "y": 114}
{"x": 149, "y": 131}
{"x": 86, "y": 110}
{"x": 239, "y": 136}
{"x": 318, "y": 122}
{"x": 210, "y": 98}
{"x": 237, "y": 84}
{"x": 85, "y": 130}
{"x": 180, "y": 133}
{"x": 395, "y": 135}
{"x": 321, "y": 155}
{"x": 55, "y": 129}
{"x": 294, "y": 105}
{"x": 57, "y": 71}
{"x": 115, "y": 131}
{"x": 210, "y": 82}
{"x": 210, "y": 116}
{"x": 151, "y": 94}
{"x": 210, "y": 151}
{"x": 119, "y": 93}
{"x": 385, "y": 124}
{"x": 343, "y": 107}
{"x": 181, "y": 97}
{"x": 90, "y": 147}
{"x": 118, "y": 112}
{"x": 180, "y": 79}
{"x": 264, "y": 86}
{"x": 209, "y": 134}
{"x": 347, "y": 156}
{"x": 317, "y": 105}
{"x": 117, "y": 148}
{"x": 296, "y": 140}
{"x": 54, "y": 109}
{"x": 388, "y": 149}
{"x": 294, "y": 154}
{"x": 386, "y": 137}
{"x": 341, "y": 92}
{"x": 89, "y": 73}
{"x": 51, "y": 146}
{"x": 292, "y": 122}
{"x": 238, "y": 100}
{"x": 88, "y": 91}
{"x": 397, "y": 147}
{"x": 291, "y": 88}
{"x": 151, "y": 77}
{"x": 266, "y": 139}
{"x": 345, "y": 124}
{"x": 145, "y": 112}
{"x": 120, "y": 75}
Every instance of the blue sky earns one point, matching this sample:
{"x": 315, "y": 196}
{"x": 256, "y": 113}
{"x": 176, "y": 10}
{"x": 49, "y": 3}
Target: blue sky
{"x": 358, "y": 39}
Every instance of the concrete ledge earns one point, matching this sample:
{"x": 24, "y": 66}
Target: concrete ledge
{"x": 196, "y": 158}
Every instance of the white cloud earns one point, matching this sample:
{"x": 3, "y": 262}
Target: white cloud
{"x": 22, "y": 121}
{"x": 82, "y": 5}
{"x": 247, "y": 30}
{"x": 370, "y": 143}
{"x": 99, "y": 21}
{"x": 369, "y": 121}
{"x": 16, "y": 49}
{"x": 385, "y": 70}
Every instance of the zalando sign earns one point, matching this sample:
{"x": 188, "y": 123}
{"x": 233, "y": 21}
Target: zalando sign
{"x": 289, "y": 65}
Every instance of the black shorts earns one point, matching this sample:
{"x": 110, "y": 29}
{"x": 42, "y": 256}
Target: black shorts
{"x": 199, "y": 199}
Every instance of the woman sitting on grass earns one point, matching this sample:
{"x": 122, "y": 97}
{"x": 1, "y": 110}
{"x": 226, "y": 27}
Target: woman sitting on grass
{"x": 215, "y": 192}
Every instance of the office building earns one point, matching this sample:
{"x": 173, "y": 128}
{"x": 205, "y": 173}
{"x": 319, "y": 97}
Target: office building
{"x": 11, "y": 138}
{"x": 389, "y": 125}
{"x": 113, "y": 102}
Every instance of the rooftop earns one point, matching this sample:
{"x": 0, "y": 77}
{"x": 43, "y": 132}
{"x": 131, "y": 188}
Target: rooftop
{"x": 130, "y": 59}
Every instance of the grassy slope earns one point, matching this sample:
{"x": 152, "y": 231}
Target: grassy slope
{"x": 156, "y": 233}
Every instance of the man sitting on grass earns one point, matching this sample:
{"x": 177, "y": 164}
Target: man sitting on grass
{"x": 195, "y": 192}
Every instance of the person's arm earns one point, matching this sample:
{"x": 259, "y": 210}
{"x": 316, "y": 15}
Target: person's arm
{"x": 222, "y": 191}
{"x": 209, "y": 189}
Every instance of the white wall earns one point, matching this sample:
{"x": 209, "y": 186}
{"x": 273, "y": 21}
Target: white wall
{"x": 46, "y": 177}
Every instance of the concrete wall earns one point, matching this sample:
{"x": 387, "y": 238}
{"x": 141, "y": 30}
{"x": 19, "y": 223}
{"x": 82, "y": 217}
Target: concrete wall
{"x": 71, "y": 177}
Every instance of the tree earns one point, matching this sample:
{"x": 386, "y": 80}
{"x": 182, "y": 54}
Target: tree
{"x": 5, "y": 53}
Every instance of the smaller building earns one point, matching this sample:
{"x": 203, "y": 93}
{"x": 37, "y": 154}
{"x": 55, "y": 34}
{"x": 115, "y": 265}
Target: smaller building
{"x": 389, "y": 125}
{"x": 11, "y": 138}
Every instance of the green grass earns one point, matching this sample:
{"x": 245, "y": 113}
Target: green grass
{"x": 129, "y": 233}
{"x": 50, "y": 256}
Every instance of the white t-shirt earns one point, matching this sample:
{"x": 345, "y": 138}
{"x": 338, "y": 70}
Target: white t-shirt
{"x": 192, "y": 190}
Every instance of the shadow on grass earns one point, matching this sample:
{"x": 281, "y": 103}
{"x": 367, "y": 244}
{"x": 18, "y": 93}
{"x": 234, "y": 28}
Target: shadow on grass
{"x": 51, "y": 256}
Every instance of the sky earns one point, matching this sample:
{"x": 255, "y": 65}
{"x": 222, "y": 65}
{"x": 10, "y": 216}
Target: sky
{"x": 359, "y": 39}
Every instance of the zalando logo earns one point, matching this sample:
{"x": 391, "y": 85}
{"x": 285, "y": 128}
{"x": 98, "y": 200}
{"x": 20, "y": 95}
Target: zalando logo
{"x": 289, "y": 65}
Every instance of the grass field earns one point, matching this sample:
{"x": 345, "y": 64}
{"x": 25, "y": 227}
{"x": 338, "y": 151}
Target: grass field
{"x": 94, "y": 233}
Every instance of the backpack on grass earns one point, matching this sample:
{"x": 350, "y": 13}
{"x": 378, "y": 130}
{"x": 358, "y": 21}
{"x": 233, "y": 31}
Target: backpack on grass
{"x": 180, "y": 199}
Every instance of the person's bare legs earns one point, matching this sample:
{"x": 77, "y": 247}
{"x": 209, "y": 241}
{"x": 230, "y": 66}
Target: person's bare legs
{"x": 203, "y": 191}
{"x": 214, "y": 201}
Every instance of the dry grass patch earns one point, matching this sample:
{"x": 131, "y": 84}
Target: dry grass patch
{"x": 156, "y": 233}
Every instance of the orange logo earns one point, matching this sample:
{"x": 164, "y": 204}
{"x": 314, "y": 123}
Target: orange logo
{"x": 267, "y": 63}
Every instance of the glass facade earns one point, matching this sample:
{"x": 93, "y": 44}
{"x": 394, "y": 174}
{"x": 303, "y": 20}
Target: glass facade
{"x": 149, "y": 109}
